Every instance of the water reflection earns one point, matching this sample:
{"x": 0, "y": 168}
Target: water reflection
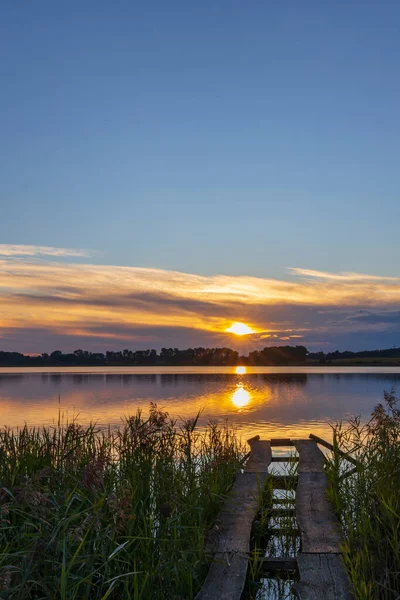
{"x": 267, "y": 401}
{"x": 240, "y": 396}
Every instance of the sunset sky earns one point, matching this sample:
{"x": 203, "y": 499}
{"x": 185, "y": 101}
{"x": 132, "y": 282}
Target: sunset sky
{"x": 169, "y": 168}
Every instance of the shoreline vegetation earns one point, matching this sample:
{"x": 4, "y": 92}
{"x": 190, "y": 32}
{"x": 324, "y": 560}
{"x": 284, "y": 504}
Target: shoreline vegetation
{"x": 367, "y": 500}
{"x": 94, "y": 514}
{"x": 268, "y": 356}
{"x": 89, "y": 514}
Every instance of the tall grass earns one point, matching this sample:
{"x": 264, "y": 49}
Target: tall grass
{"x": 368, "y": 501}
{"x": 111, "y": 514}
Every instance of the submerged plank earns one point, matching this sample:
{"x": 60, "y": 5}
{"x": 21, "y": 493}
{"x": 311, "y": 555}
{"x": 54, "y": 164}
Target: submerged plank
{"x": 282, "y": 512}
{"x": 319, "y": 527}
{"x": 284, "y": 482}
{"x": 284, "y": 531}
{"x": 231, "y": 532}
{"x": 322, "y": 576}
{"x": 284, "y": 501}
{"x": 275, "y": 564}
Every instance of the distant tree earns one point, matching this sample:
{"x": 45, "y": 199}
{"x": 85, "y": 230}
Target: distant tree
{"x": 270, "y": 355}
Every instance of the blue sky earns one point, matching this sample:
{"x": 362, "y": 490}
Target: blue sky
{"x": 236, "y": 138}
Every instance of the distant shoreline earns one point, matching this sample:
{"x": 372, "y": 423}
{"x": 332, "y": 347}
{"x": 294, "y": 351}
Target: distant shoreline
{"x": 303, "y": 365}
{"x": 169, "y": 358}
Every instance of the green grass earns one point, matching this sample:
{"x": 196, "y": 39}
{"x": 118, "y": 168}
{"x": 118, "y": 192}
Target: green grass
{"x": 368, "y": 501}
{"x": 90, "y": 514}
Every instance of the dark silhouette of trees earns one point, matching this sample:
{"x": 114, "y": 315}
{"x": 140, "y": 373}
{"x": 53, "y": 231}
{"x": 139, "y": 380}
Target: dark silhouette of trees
{"x": 323, "y": 358}
{"x": 167, "y": 356}
{"x": 278, "y": 355}
{"x": 270, "y": 355}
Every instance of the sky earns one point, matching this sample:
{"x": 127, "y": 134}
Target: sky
{"x": 168, "y": 168}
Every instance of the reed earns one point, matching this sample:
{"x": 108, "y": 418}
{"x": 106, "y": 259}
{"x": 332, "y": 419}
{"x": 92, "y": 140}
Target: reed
{"x": 94, "y": 514}
{"x": 368, "y": 500}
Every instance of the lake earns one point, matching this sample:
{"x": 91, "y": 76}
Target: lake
{"x": 271, "y": 401}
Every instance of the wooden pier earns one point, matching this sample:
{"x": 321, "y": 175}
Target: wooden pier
{"x": 318, "y": 565}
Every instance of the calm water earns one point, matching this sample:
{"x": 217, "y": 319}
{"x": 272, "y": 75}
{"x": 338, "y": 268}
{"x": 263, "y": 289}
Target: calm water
{"x": 267, "y": 400}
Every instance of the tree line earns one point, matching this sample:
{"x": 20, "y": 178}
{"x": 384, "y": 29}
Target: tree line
{"x": 327, "y": 357}
{"x": 270, "y": 355}
{"x": 166, "y": 356}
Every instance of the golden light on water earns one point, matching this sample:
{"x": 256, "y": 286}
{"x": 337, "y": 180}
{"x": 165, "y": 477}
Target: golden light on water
{"x": 240, "y": 370}
{"x": 239, "y": 329}
{"x": 241, "y": 397}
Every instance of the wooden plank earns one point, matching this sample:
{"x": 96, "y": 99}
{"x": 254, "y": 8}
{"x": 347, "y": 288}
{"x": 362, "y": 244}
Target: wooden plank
{"x": 227, "y": 573}
{"x": 281, "y": 576}
{"x": 226, "y": 578}
{"x": 320, "y": 529}
{"x": 282, "y": 531}
{"x": 231, "y": 532}
{"x": 275, "y": 564}
{"x": 260, "y": 456}
{"x": 311, "y": 459}
{"x": 282, "y": 512}
{"x": 285, "y": 459}
{"x": 322, "y": 576}
{"x": 281, "y": 442}
{"x": 236, "y": 517}
{"x": 284, "y": 482}
{"x": 285, "y": 501}
{"x": 330, "y": 447}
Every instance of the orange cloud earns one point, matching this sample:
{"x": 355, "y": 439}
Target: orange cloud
{"x": 111, "y": 301}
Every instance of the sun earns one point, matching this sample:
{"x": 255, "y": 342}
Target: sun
{"x": 240, "y": 329}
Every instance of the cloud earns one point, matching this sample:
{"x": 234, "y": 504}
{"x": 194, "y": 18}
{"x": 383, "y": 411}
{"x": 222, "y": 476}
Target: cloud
{"x": 97, "y": 337}
{"x": 382, "y": 317}
{"x": 26, "y": 250}
{"x": 90, "y": 305}
{"x": 351, "y": 277}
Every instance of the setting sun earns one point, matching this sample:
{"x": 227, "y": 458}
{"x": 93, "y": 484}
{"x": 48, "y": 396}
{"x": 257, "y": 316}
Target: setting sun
{"x": 240, "y": 370}
{"x": 240, "y": 329}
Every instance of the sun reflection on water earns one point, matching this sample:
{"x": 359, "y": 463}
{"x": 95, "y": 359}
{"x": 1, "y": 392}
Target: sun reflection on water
{"x": 241, "y": 397}
{"x": 240, "y": 370}
{"x": 260, "y": 401}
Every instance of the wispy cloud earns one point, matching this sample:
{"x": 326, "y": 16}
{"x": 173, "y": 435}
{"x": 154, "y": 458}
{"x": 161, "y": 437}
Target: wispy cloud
{"x": 26, "y": 250}
{"x": 351, "y": 277}
{"x": 102, "y": 302}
